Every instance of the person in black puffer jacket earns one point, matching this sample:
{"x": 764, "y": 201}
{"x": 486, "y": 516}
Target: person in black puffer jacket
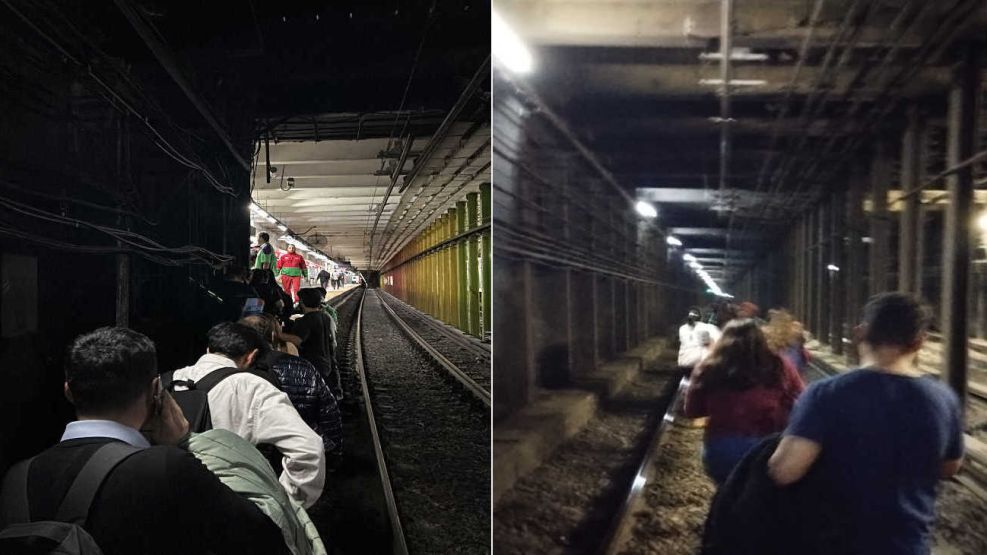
{"x": 302, "y": 383}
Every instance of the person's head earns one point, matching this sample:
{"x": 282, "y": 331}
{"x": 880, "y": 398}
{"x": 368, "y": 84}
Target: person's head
{"x": 780, "y": 330}
{"x": 747, "y": 309}
{"x": 111, "y": 372}
{"x": 263, "y": 237}
{"x": 311, "y": 298}
{"x": 264, "y": 324}
{"x": 693, "y": 316}
{"x": 260, "y": 277}
{"x": 322, "y": 291}
{"x": 291, "y": 249}
{"x": 236, "y": 342}
{"x": 895, "y": 323}
{"x": 741, "y": 359}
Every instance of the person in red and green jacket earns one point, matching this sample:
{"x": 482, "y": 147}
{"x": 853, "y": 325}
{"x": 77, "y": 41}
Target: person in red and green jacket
{"x": 291, "y": 268}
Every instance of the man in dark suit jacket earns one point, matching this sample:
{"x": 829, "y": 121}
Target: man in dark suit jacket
{"x": 160, "y": 499}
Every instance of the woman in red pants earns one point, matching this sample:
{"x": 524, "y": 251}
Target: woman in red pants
{"x": 291, "y": 268}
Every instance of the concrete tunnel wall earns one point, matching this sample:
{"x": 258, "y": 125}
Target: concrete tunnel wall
{"x": 579, "y": 277}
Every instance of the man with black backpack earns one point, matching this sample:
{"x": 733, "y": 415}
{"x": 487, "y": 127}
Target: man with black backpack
{"x": 105, "y": 489}
{"x": 251, "y": 405}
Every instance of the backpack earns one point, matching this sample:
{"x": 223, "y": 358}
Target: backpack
{"x": 64, "y": 535}
{"x": 194, "y": 400}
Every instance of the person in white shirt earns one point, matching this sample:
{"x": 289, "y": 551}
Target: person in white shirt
{"x": 695, "y": 340}
{"x": 252, "y": 408}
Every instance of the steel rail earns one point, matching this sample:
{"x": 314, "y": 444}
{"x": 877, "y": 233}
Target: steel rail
{"x": 474, "y": 388}
{"x": 610, "y": 543}
{"x": 482, "y": 350}
{"x": 399, "y": 544}
{"x": 339, "y": 300}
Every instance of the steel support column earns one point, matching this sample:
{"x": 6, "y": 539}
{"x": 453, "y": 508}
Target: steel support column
{"x": 962, "y": 140}
{"x": 855, "y": 291}
{"x": 839, "y": 277}
{"x": 879, "y": 233}
{"x": 921, "y": 225}
{"x": 822, "y": 257}
{"x": 485, "y": 270}
{"x": 911, "y": 176}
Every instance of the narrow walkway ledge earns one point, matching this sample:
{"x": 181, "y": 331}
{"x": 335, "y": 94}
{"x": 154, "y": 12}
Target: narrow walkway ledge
{"x": 524, "y": 441}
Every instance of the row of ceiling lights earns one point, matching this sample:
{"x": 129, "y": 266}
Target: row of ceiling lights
{"x": 512, "y": 53}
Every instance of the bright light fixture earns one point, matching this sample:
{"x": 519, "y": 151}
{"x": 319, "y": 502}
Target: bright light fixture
{"x": 508, "y": 48}
{"x": 739, "y": 54}
{"x": 673, "y": 241}
{"x": 833, "y": 268}
{"x": 982, "y": 222}
{"x": 695, "y": 266}
{"x": 688, "y": 257}
{"x": 735, "y": 82}
{"x": 282, "y": 227}
{"x": 646, "y": 209}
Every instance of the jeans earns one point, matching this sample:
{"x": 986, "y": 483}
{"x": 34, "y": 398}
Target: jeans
{"x": 721, "y": 454}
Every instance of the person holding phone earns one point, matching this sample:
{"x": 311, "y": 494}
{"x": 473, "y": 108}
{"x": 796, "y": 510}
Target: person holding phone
{"x": 159, "y": 498}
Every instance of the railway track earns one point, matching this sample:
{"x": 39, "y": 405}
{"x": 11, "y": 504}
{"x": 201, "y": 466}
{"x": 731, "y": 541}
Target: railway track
{"x": 431, "y": 442}
{"x": 613, "y": 540}
{"x": 466, "y": 360}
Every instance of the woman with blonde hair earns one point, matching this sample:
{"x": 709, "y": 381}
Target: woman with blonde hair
{"x": 786, "y": 336}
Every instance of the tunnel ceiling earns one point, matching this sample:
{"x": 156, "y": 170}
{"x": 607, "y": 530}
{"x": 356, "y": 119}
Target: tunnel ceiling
{"x": 628, "y": 78}
{"x": 342, "y": 184}
{"x": 337, "y": 89}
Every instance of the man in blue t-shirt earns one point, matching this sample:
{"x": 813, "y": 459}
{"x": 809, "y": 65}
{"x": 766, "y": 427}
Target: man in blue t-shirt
{"x": 882, "y": 435}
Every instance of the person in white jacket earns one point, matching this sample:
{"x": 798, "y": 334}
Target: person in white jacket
{"x": 695, "y": 340}
{"x": 252, "y": 408}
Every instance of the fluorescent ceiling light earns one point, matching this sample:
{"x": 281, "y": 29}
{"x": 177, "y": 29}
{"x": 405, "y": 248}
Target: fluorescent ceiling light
{"x": 833, "y": 268}
{"x": 688, "y": 257}
{"x": 673, "y": 241}
{"x": 739, "y": 54}
{"x": 508, "y": 48}
{"x": 982, "y": 222}
{"x": 646, "y": 209}
{"x": 735, "y": 82}
{"x": 696, "y": 265}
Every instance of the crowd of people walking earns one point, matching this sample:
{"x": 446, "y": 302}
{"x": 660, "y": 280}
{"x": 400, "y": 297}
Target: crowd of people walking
{"x": 857, "y": 455}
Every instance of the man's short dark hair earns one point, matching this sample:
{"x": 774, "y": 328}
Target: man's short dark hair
{"x": 896, "y": 319}
{"x": 310, "y": 297}
{"x": 263, "y": 235}
{"x": 109, "y": 368}
{"x": 233, "y": 340}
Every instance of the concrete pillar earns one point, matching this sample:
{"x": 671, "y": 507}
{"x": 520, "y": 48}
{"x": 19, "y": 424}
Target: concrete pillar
{"x": 911, "y": 177}
{"x": 879, "y": 228}
{"x": 962, "y": 140}
{"x": 549, "y": 321}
